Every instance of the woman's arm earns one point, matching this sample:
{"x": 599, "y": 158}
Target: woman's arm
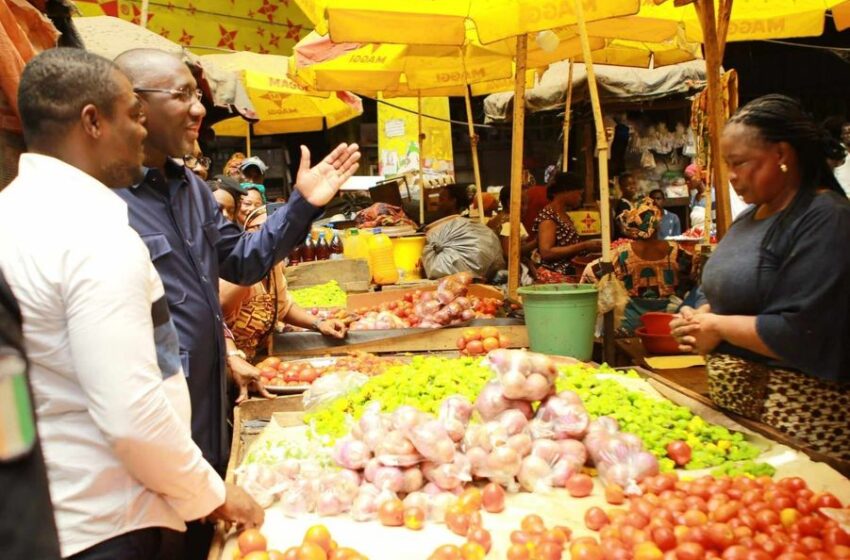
{"x": 704, "y": 331}
{"x": 329, "y": 327}
{"x": 551, "y": 252}
{"x": 232, "y": 296}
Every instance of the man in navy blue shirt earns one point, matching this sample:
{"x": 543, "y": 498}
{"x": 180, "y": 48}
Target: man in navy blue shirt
{"x": 192, "y": 244}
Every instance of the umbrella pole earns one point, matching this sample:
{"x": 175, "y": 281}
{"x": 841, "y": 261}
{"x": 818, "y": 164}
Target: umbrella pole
{"x": 473, "y": 143}
{"x": 421, "y": 166}
{"x": 143, "y": 17}
{"x": 716, "y": 116}
{"x": 249, "y": 127}
{"x": 517, "y": 136}
{"x": 565, "y": 161}
{"x": 602, "y": 154}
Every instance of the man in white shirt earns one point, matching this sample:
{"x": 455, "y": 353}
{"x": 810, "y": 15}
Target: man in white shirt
{"x": 110, "y": 395}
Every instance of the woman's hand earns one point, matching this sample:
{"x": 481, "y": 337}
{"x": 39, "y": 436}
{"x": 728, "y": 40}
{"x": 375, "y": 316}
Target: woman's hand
{"x": 247, "y": 378}
{"x": 592, "y": 246}
{"x": 332, "y": 327}
{"x": 696, "y": 330}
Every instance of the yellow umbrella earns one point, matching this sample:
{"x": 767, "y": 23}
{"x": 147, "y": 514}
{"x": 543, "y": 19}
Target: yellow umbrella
{"x": 444, "y": 22}
{"x": 281, "y": 104}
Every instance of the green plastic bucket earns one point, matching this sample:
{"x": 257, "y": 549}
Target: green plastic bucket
{"x": 560, "y": 318}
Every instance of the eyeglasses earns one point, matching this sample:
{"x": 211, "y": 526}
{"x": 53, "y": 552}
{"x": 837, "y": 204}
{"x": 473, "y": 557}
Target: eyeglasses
{"x": 184, "y": 95}
{"x": 192, "y": 161}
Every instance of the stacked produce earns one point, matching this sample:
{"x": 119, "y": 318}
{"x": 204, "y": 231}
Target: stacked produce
{"x": 430, "y": 457}
{"x": 275, "y": 372}
{"x": 449, "y": 304}
{"x": 478, "y": 341}
{"x": 328, "y": 294}
{"x": 317, "y": 544}
{"x": 696, "y": 444}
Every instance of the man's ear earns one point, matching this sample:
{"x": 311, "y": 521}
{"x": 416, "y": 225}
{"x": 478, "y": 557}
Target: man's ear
{"x": 91, "y": 120}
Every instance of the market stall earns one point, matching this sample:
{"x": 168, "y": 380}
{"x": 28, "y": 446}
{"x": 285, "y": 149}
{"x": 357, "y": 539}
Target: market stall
{"x": 279, "y": 448}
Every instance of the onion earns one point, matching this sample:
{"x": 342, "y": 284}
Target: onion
{"x": 413, "y": 480}
{"x": 513, "y": 385}
{"x": 416, "y": 499}
{"x": 406, "y": 417}
{"x": 328, "y": 504}
{"x": 646, "y": 464}
{"x": 513, "y": 421}
{"x": 537, "y": 386}
{"x": 634, "y": 442}
{"x": 467, "y": 315}
{"x": 562, "y": 471}
{"x": 573, "y": 451}
{"x": 439, "y": 504}
{"x": 477, "y": 458}
{"x": 546, "y": 449}
{"x": 603, "y": 423}
{"x": 389, "y": 478}
{"x": 289, "y": 468}
{"x": 351, "y": 454}
{"x": 364, "y": 508}
{"x": 370, "y": 469}
{"x": 535, "y": 474}
{"x": 463, "y": 302}
{"x": 521, "y": 443}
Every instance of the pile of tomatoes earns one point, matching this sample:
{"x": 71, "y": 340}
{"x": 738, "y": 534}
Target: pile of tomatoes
{"x": 738, "y": 518}
{"x": 478, "y": 341}
{"x": 275, "y": 372}
{"x": 317, "y": 544}
{"x": 464, "y": 519}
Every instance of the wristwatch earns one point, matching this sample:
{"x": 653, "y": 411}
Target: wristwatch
{"x": 239, "y": 353}
{"x": 316, "y": 324}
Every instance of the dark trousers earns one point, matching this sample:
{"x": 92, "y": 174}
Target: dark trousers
{"x": 143, "y": 544}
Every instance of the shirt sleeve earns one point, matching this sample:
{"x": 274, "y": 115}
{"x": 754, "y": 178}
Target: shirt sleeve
{"x": 804, "y": 320}
{"x": 110, "y": 315}
{"x": 246, "y": 259}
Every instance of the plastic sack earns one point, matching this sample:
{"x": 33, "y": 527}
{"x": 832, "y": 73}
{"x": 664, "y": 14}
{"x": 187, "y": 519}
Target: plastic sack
{"x": 523, "y": 375}
{"x": 330, "y": 387}
{"x": 462, "y": 245}
{"x": 455, "y": 412}
{"x": 559, "y": 419}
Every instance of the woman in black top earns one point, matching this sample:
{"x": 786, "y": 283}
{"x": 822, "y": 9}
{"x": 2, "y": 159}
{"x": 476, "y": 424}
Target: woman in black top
{"x": 774, "y": 327}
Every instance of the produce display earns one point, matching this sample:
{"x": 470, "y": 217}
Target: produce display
{"x": 479, "y": 341}
{"x": 449, "y": 304}
{"x": 657, "y": 422}
{"x": 328, "y": 294}
{"x": 317, "y": 544}
{"x": 423, "y": 383}
{"x": 277, "y": 373}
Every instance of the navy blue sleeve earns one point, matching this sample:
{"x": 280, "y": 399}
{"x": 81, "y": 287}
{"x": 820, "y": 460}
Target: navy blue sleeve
{"x": 246, "y": 259}
{"x": 805, "y": 320}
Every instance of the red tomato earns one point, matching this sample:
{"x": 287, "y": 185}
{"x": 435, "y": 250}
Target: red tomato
{"x": 520, "y": 537}
{"x": 794, "y": 483}
{"x": 446, "y": 552}
{"x": 475, "y": 347}
{"x": 251, "y": 540}
{"x": 549, "y": 551}
{"x": 493, "y": 498}
{"x": 585, "y": 549}
{"x": 690, "y": 551}
{"x": 391, "y": 513}
{"x": 490, "y": 343}
{"x": 461, "y": 343}
{"x": 414, "y": 518}
{"x": 579, "y": 485}
{"x": 736, "y": 552}
{"x": 533, "y": 524}
{"x": 595, "y": 518}
{"x": 664, "y": 537}
{"x": 825, "y": 499}
{"x": 720, "y": 536}
{"x": 833, "y": 536}
{"x": 680, "y": 452}
{"x": 457, "y": 521}
{"x": 614, "y": 494}
{"x": 518, "y": 552}
{"x": 695, "y": 518}
{"x": 840, "y": 551}
{"x": 481, "y": 536}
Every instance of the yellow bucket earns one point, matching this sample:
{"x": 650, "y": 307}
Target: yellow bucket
{"x": 407, "y": 253}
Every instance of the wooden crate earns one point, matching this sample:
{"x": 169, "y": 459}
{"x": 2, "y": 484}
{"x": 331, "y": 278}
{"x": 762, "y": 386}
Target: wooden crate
{"x": 352, "y": 275}
{"x": 398, "y": 291}
{"x": 249, "y": 419}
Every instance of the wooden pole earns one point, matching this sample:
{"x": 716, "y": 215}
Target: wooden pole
{"x": 473, "y": 143}
{"x": 143, "y": 17}
{"x": 250, "y": 127}
{"x": 421, "y": 166}
{"x": 517, "y": 137}
{"x": 601, "y": 137}
{"x": 716, "y": 116}
{"x": 565, "y": 158}
{"x": 608, "y": 348}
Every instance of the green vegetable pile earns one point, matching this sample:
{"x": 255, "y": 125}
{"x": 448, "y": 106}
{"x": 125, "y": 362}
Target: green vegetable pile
{"x": 656, "y": 422}
{"x": 272, "y": 452}
{"x": 328, "y": 294}
{"x": 747, "y": 468}
{"x": 423, "y": 384}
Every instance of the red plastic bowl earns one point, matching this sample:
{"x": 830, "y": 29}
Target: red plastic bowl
{"x": 662, "y": 344}
{"x": 656, "y": 322}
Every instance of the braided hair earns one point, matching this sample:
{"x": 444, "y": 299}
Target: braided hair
{"x": 779, "y": 118}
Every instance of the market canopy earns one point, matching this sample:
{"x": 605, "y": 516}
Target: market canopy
{"x": 445, "y": 22}
{"x": 615, "y": 83}
{"x": 282, "y": 105}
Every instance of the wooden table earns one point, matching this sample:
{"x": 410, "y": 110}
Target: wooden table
{"x": 693, "y": 378}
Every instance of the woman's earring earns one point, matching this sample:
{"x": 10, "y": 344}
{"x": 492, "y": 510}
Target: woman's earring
{"x": 783, "y": 168}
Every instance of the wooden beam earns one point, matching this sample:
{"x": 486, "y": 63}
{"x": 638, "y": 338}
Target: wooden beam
{"x": 473, "y": 144}
{"x": 422, "y": 189}
{"x": 723, "y": 26}
{"x": 568, "y": 103}
{"x": 517, "y": 145}
{"x": 716, "y": 115}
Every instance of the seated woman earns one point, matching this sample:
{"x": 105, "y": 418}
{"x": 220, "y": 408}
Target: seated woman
{"x": 252, "y": 312}
{"x": 501, "y": 225}
{"x": 558, "y": 241}
{"x": 651, "y": 269}
{"x": 228, "y": 194}
{"x": 774, "y": 324}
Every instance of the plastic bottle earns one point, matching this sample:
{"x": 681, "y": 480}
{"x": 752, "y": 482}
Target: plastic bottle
{"x": 323, "y": 250}
{"x": 336, "y": 247}
{"x": 308, "y": 250}
{"x": 384, "y": 270}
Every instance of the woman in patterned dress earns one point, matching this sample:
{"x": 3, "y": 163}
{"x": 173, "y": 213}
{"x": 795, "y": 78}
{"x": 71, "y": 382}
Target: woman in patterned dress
{"x": 774, "y": 323}
{"x": 558, "y": 241}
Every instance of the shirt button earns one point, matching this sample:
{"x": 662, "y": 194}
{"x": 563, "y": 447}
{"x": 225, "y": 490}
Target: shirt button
{"x": 218, "y": 317}
{"x": 204, "y": 278}
{"x": 189, "y": 242}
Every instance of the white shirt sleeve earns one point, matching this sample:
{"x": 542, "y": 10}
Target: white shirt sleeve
{"x": 108, "y": 295}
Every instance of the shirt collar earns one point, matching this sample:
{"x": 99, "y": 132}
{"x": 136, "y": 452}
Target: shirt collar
{"x": 44, "y": 170}
{"x": 173, "y": 170}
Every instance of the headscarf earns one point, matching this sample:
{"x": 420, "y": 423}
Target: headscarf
{"x": 257, "y": 187}
{"x": 231, "y": 168}
{"x": 693, "y": 170}
{"x": 641, "y": 221}
{"x": 549, "y": 173}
